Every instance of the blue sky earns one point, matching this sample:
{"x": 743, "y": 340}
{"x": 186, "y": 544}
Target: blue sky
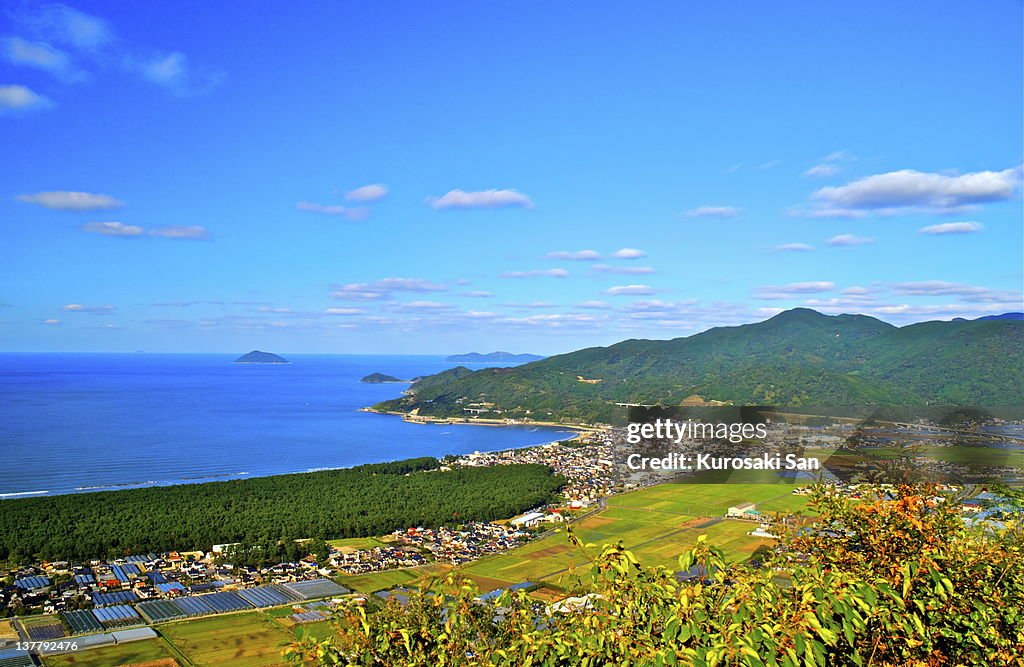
{"x": 365, "y": 177}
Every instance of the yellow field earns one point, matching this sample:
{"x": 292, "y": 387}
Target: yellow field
{"x": 7, "y": 631}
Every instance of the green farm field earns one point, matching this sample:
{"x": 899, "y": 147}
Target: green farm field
{"x": 252, "y": 639}
{"x": 657, "y": 523}
{"x": 357, "y": 542}
{"x": 234, "y": 640}
{"x": 378, "y": 581}
{"x": 113, "y": 656}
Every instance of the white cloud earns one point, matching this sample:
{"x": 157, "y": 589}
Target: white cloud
{"x": 656, "y": 305}
{"x": 22, "y": 98}
{"x": 367, "y": 193}
{"x": 708, "y": 211}
{"x": 968, "y": 293}
{"x": 173, "y": 71}
{"x": 186, "y": 232}
{"x": 113, "y": 229}
{"x": 42, "y": 56}
{"x": 629, "y": 253}
{"x": 355, "y": 214}
{"x": 822, "y": 171}
{"x": 826, "y": 213}
{"x": 344, "y": 311}
{"x": 948, "y": 310}
{"x": 770, "y": 164}
{"x": 63, "y": 200}
{"x": 909, "y": 188}
{"x": 79, "y": 308}
{"x": 966, "y": 227}
{"x": 533, "y": 304}
{"x": 630, "y": 290}
{"x": 793, "y": 247}
{"x": 622, "y": 270}
{"x": 843, "y": 304}
{"x": 477, "y": 294}
{"x": 550, "y": 273}
{"x": 848, "y": 240}
{"x": 575, "y": 255}
{"x": 827, "y": 166}
{"x": 384, "y": 289}
{"x": 773, "y": 292}
{"x": 51, "y": 321}
{"x": 409, "y": 285}
{"x": 838, "y": 156}
{"x": 550, "y": 320}
{"x": 423, "y": 305}
{"x": 166, "y": 70}
{"x": 69, "y": 26}
{"x": 480, "y": 199}
{"x": 594, "y": 305}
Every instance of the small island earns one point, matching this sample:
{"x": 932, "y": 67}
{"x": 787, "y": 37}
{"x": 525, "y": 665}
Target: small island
{"x": 476, "y": 357}
{"x": 380, "y": 378}
{"x": 257, "y": 357}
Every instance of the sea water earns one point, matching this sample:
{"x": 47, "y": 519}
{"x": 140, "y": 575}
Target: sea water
{"x": 81, "y": 422}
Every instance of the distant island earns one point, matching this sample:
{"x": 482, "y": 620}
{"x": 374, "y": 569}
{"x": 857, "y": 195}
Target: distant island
{"x": 476, "y": 357}
{"x": 379, "y": 378}
{"x": 257, "y": 357}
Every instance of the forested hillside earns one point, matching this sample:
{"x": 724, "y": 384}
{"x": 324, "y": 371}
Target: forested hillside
{"x": 799, "y": 357}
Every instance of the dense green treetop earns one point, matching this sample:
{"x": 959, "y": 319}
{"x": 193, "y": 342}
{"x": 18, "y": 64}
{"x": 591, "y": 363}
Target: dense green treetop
{"x": 355, "y": 502}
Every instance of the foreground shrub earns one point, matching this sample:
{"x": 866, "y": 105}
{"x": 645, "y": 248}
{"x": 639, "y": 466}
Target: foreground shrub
{"x": 898, "y": 581}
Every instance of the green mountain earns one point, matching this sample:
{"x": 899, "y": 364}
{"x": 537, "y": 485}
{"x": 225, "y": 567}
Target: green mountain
{"x": 799, "y": 357}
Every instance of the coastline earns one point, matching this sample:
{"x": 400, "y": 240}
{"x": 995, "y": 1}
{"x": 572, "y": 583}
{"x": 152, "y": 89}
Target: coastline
{"x": 227, "y": 477}
{"x": 476, "y": 421}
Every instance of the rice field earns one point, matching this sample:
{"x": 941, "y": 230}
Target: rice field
{"x": 657, "y": 523}
{"x": 238, "y": 640}
{"x": 378, "y": 581}
{"x": 354, "y": 543}
{"x": 7, "y": 631}
{"x": 150, "y": 650}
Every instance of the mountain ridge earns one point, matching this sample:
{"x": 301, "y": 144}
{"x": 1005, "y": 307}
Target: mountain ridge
{"x": 797, "y": 357}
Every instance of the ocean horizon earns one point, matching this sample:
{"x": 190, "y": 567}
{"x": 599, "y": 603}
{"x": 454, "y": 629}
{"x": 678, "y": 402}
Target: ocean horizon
{"x": 74, "y": 423}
